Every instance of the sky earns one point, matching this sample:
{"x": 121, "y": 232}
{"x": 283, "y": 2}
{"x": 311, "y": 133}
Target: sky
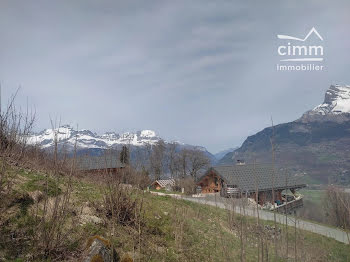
{"x": 200, "y": 72}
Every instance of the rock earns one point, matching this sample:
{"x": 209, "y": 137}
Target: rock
{"x": 84, "y": 219}
{"x": 99, "y": 250}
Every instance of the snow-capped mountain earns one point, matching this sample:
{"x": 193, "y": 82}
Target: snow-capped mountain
{"x": 336, "y": 101}
{"x": 87, "y": 139}
{"x": 91, "y": 143}
{"x": 335, "y": 107}
{"x": 315, "y": 146}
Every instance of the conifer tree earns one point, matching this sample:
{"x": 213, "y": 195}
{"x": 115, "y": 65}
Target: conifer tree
{"x": 124, "y": 155}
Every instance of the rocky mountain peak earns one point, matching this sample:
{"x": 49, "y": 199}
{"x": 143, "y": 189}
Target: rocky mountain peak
{"x": 335, "y": 107}
{"x": 86, "y": 138}
{"x": 336, "y": 101}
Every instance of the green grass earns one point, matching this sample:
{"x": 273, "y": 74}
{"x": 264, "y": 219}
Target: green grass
{"x": 85, "y": 191}
{"x": 41, "y": 182}
{"x": 166, "y": 191}
{"x": 315, "y": 196}
{"x": 311, "y": 180}
{"x": 208, "y": 238}
{"x": 198, "y": 227}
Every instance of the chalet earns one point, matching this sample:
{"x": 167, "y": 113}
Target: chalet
{"x": 249, "y": 180}
{"x": 105, "y": 164}
{"x": 167, "y": 184}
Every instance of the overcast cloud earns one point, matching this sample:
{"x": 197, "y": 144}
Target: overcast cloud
{"x": 202, "y": 72}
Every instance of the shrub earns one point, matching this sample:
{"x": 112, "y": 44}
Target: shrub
{"x": 338, "y": 207}
{"x": 118, "y": 204}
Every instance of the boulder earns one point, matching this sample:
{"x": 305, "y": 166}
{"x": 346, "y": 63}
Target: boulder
{"x": 99, "y": 250}
{"x": 84, "y": 219}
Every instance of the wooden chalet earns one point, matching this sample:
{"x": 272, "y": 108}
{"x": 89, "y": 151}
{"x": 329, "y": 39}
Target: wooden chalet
{"x": 248, "y": 180}
{"x": 167, "y": 184}
{"x": 106, "y": 164}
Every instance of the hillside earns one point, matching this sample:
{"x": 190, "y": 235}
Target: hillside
{"x": 315, "y": 146}
{"x": 150, "y": 228}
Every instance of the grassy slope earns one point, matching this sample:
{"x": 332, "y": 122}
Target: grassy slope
{"x": 314, "y": 195}
{"x": 173, "y": 230}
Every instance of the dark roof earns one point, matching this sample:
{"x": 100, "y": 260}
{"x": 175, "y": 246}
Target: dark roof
{"x": 249, "y": 176}
{"x": 99, "y": 162}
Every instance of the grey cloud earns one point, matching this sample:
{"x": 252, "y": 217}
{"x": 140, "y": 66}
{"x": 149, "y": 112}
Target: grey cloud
{"x": 202, "y": 72}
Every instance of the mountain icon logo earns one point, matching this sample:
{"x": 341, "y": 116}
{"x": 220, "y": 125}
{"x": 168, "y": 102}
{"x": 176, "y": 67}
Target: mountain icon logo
{"x": 294, "y": 49}
{"x": 288, "y": 37}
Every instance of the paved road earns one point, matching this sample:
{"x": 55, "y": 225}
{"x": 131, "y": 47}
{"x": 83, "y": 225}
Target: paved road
{"x": 337, "y": 234}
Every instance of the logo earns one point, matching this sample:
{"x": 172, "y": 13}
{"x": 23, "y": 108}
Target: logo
{"x": 294, "y": 52}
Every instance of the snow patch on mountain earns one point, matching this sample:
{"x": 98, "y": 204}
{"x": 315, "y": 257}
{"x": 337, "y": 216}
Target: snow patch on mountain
{"x": 147, "y": 133}
{"x": 337, "y": 101}
{"x": 87, "y": 139}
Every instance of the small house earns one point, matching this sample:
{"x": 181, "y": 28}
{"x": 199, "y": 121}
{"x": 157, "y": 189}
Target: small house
{"x": 260, "y": 182}
{"x": 167, "y": 184}
{"x": 106, "y": 164}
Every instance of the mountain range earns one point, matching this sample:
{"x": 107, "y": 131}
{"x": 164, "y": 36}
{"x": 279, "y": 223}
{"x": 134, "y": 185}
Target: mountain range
{"x": 88, "y": 139}
{"x": 88, "y": 142}
{"x": 316, "y": 146}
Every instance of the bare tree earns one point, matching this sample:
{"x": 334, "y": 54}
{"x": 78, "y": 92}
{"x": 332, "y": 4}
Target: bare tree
{"x": 272, "y": 141}
{"x": 171, "y": 158}
{"x": 15, "y": 126}
{"x": 157, "y": 159}
{"x": 197, "y": 160}
{"x": 141, "y": 158}
{"x": 338, "y": 208}
{"x": 182, "y": 162}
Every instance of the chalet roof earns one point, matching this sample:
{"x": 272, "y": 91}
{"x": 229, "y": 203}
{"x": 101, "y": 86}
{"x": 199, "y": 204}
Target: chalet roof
{"x": 99, "y": 162}
{"x": 165, "y": 182}
{"x": 248, "y": 177}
